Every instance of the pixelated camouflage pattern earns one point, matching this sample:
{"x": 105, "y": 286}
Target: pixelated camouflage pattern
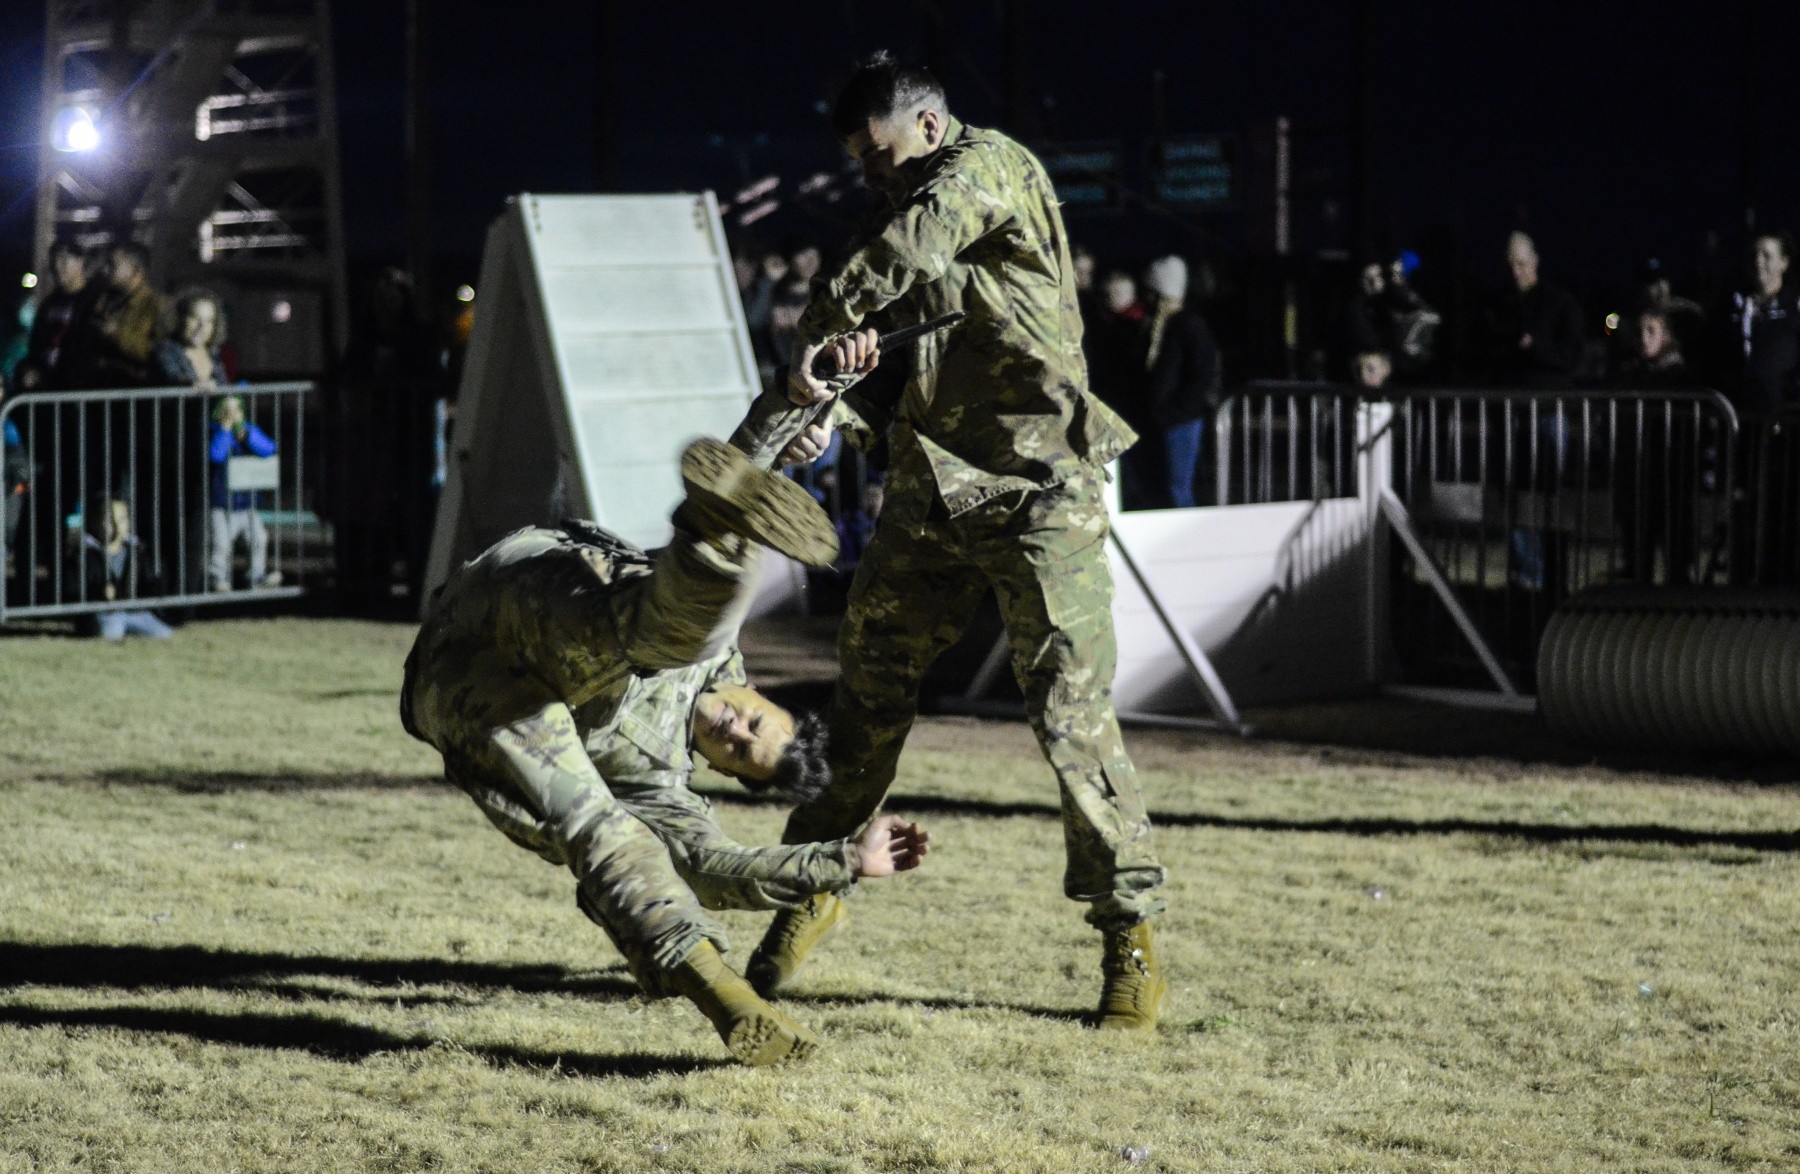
{"x": 999, "y": 404}
{"x": 917, "y": 586}
{"x": 542, "y": 620}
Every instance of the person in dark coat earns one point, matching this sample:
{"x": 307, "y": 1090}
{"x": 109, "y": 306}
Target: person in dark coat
{"x": 1762, "y": 365}
{"x": 1538, "y": 346}
{"x": 1763, "y": 351}
{"x": 1537, "y": 332}
{"x": 61, "y": 308}
{"x": 1181, "y": 384}
{"x": 1113, "y": 339}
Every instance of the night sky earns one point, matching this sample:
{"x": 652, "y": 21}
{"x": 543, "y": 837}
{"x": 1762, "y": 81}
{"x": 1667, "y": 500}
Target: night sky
{"x": 1611, "y": 130}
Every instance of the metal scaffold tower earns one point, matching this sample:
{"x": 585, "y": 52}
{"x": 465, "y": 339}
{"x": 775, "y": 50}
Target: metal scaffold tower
{"x": 206, "y": 130}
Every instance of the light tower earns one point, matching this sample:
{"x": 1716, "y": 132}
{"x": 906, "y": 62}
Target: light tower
{"x": 207, "y": 131}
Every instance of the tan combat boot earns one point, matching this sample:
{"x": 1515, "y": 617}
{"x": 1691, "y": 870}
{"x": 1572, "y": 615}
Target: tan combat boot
{"x": 756, "y": 1033}
{"x": 1135, "y": 986}
{"x": 726, "y": 494}
{"x": 791, "y": 938}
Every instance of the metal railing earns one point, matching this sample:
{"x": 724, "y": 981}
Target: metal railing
{"x": 116, "y": 503}
{"x": 1524, "y": 498}
{"x": 1765, "y": 551}
{"x": 1283, "y": 441}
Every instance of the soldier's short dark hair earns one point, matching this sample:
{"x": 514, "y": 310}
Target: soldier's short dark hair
{"x": 802, "y": 771}
{"x": 879, "y": 88}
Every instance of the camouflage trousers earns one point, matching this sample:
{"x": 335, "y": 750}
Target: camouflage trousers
{"x": 647, "y": 859}
{"x": 915, "y": 591}
{"x": 534, "y": 781}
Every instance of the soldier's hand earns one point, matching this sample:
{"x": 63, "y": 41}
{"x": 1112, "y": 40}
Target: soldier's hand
{"x": 890, "y": 845}
{"x": 855, "y": 354}
{"x": 807, "y": 447}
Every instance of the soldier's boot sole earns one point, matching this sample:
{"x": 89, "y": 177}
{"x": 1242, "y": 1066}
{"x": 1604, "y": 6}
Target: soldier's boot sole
{"x": 791, "y": 939}
{"x": 1135, "y": 987}
{"x": 755, "y": 1033}
{"x": 766, "y": 1038}
{"x": 727, "y": 494}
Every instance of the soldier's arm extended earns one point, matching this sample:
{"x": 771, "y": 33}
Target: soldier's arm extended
{"x": 725, "y": 874}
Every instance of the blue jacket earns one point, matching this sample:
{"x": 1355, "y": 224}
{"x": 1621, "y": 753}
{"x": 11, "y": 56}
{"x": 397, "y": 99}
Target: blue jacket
{"x": 224, "y": 445}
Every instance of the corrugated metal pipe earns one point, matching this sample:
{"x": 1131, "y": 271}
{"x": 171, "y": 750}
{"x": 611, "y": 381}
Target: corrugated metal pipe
{"x": 1675, "y": 668}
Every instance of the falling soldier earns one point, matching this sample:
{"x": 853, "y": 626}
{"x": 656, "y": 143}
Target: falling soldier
{"x": 995, "y": 479}
{"x": 562, "y": 674}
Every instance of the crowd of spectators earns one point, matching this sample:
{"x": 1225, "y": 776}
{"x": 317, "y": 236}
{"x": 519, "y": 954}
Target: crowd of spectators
{"x": 104, "y": 474}
{"x": 1154, "y": 357}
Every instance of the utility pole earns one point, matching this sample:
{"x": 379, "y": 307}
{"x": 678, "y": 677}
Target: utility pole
{"x": 1748, "y": 129}
{"x": 937, "y": 39}
{"x": 1364, "y": 72}
{"x": 418, "y": 158}
{"x": 1023, "y": 116}
{"x": 606, "y": 31}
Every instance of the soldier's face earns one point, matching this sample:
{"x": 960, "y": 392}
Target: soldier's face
{"x": 890, "y": 151}
{"x": 740, "y": 731}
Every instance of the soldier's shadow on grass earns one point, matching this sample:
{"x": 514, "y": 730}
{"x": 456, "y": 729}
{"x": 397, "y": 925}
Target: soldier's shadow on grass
{"x": 386, "y": 979}
{"x": 338, "y": 1039}
{"x": 90, "y": 967}
{"x": 940, "y": 1003}
{"x": 1650, "y": 834}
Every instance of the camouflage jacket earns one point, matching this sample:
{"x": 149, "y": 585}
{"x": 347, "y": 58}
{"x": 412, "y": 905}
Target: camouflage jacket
{"x": 645, "y": 738}
{"x": 562, "y": 613}
{"x": 1000, "y": 403}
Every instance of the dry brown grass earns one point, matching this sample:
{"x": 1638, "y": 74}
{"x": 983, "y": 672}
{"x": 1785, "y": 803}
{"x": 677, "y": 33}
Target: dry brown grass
{"x": 241, "y": 929}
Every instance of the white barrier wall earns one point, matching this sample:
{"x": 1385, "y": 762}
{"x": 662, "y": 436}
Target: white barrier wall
{"x": 1275, "y": 595}
{"x": 608, "y": 334}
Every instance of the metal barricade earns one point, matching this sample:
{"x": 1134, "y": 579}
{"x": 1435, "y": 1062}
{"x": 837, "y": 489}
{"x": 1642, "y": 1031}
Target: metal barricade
{"x": 129, "y": 498}
{"x": 1284, "y": 441}
{"x": 1523, "y": 498}
{"x": 1766, "y": 546}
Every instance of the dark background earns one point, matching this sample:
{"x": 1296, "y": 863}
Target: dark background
{"x": 1612, "y": 131}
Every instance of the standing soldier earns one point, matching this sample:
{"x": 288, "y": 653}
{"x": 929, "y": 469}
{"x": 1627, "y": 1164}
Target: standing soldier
{"x": 998, "y": 459}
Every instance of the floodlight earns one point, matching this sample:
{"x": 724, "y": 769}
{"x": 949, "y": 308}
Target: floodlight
{"x": 74, "y": 130}
{"x": 465, "y": 293}
{"x": 29, "y": 281}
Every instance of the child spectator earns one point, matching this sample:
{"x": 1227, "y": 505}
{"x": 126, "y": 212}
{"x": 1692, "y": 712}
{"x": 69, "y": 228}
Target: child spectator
{"x": 233, "y": 513}
{"x": 111, "y": 561}
{"x": 1373, "y": 369}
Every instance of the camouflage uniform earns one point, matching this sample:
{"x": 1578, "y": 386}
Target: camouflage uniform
{"x": 998, "y": 451}
{"x": 553, "y": 657}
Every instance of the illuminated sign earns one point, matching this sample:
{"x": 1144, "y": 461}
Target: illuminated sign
{"x": 1194, "y": 172}
{"x": 1086, "y": 175}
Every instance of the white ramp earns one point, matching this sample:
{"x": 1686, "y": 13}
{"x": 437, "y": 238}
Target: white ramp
{"x": 607, "y": 335}
{"x": 1275, "y": 602}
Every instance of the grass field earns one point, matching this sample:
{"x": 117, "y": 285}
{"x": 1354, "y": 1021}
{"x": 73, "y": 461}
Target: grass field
{"x": 242, "y": 928}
